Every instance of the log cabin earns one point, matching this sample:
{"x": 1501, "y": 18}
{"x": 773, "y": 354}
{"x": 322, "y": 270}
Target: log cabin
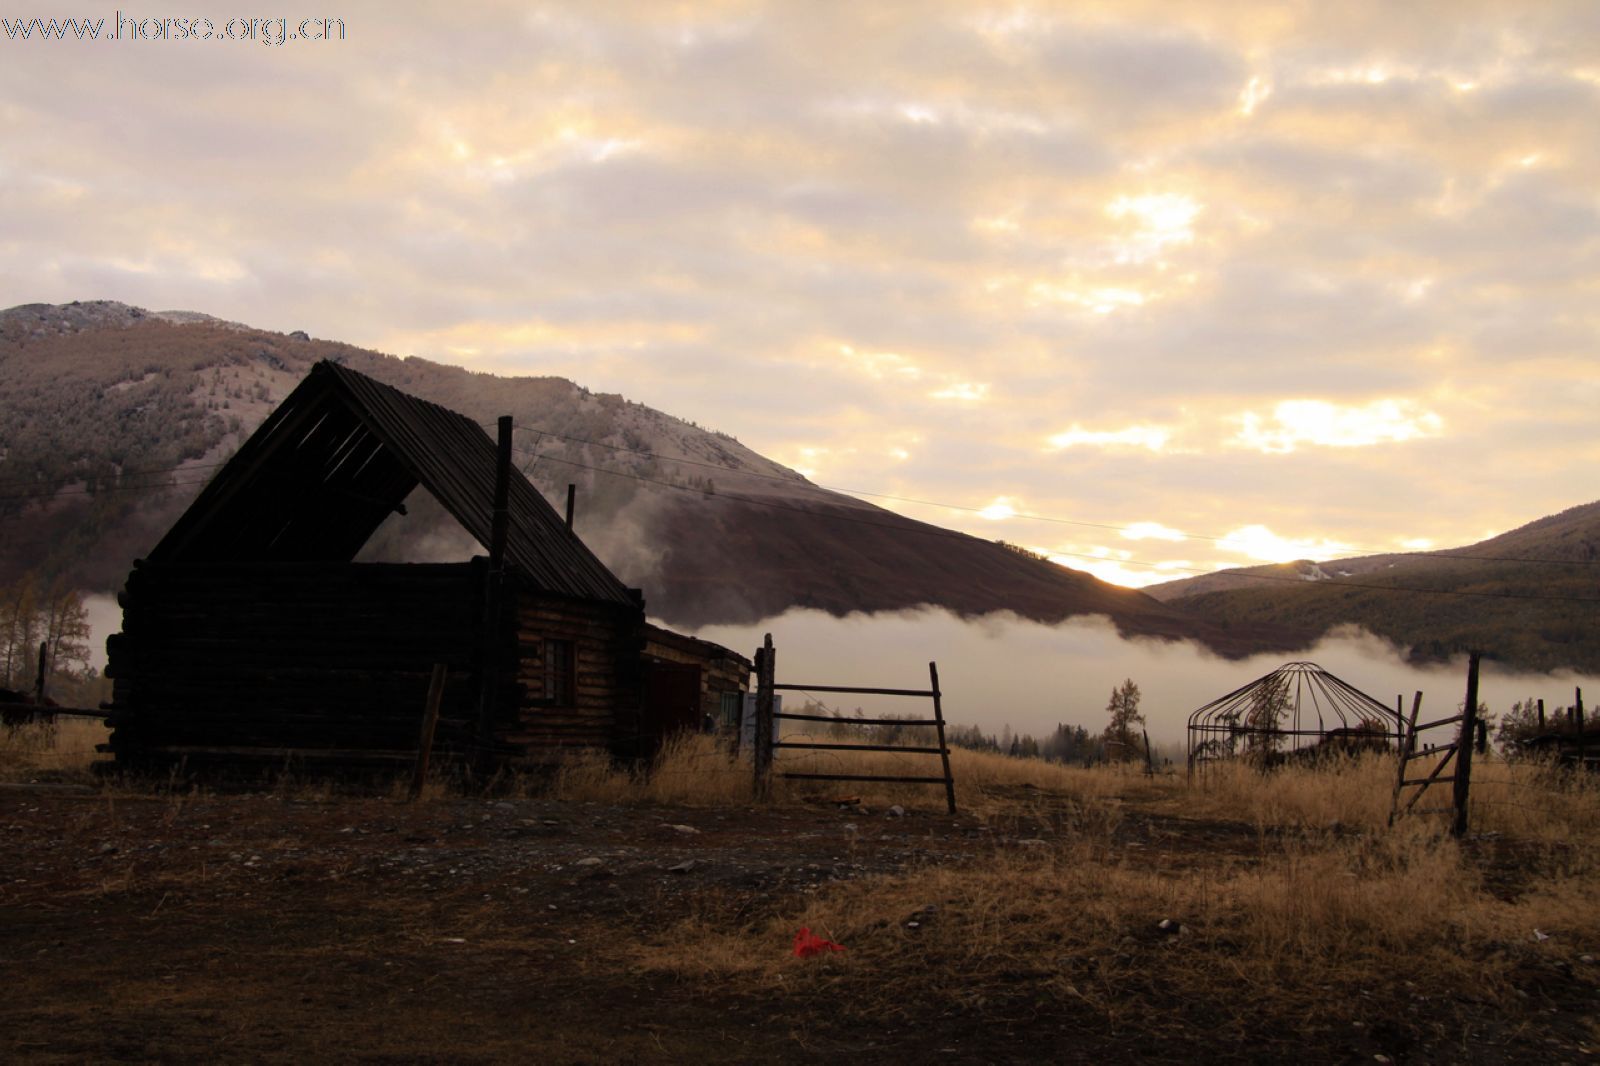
{"x": 252, "y": 635}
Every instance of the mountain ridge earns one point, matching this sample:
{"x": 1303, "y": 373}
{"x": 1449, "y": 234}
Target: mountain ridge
{"x": 714, "y": 532}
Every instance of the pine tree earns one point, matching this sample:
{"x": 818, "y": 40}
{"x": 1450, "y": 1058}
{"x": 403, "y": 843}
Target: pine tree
{"x": 1123, "y": 740}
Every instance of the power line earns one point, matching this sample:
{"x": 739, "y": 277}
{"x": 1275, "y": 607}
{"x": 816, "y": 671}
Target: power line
{"x": 913, "y": 526}
{"x": 1447, "y": 555}
{"x": 150, "y": 487}
{"x": 185, "y": 466}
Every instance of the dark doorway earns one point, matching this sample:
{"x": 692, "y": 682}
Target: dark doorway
{"x": 671, "y": 703}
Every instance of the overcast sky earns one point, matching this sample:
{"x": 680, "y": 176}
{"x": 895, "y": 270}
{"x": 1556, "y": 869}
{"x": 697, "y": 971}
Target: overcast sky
{"x": 1310, "y": 279}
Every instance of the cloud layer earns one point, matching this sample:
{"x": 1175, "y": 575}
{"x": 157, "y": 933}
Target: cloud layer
{"x": 1315, "y": 275}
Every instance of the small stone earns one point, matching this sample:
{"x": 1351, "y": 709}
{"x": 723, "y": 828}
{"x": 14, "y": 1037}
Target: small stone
{"x": 507, "y": 808}
{"x": 683, "y": 867}
{"x": 689, "y": 829}
{"x": 1032, "y": 842}
{"x": 590, "y": 861}
{"x": 896, "y": 811}
{"x": 107, "y": 849}
{"x": 1168, "y": 927}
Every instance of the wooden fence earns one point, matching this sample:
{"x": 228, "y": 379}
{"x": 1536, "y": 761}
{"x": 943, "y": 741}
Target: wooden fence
{"x": 768, "y": 736}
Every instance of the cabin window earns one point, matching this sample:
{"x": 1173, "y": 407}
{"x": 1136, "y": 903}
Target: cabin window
{"x": 560, "y": 670}
{"x": 730, "y": 704}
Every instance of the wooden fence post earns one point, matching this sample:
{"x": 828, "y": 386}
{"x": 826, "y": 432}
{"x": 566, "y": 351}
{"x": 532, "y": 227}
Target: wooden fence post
{"x": 1577, "y": 710}
{"x": 1469, "y": 726}
{"x": 944, "y": 749}
{"x": 38, "y": 682}
{"x": 766, "y": 671}
{"x": 430, "y": 724}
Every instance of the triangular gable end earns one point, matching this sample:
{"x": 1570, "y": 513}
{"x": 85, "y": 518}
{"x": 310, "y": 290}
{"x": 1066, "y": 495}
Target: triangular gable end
{"x": 339, "y": 455}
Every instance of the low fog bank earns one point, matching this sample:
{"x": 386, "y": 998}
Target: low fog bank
{"x": 1004, "y": 670}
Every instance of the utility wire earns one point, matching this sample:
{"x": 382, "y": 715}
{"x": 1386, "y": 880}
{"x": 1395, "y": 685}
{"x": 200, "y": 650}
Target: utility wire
{"x": 1019, "y": 514}
{"x": 1448, "y": 556}
{"x": 29, "y": 482}
{"x": 913, "y": 526}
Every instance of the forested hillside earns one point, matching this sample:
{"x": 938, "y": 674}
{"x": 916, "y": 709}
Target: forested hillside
{"x": 113, "y": 417}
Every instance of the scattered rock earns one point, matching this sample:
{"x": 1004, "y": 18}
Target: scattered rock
{"x": 1032, "y": 842}
{"x": 688, "y": 829}
{"x": 1168, "y": 927}
{"x": 896, "y": 811}
{"x": 683, "y": 867}
{"x": 590, "y": 861}
{"x": 505, "y": 808}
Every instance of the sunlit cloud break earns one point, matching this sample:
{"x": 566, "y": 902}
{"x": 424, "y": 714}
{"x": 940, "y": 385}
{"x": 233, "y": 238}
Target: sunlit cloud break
{"x": 1152, "y": 531}
{"x": 1317, "y": 422}
{"x": 999, "y": 510}
{"x": 1154, "y": 438}
{"x": 1262, "y": 544}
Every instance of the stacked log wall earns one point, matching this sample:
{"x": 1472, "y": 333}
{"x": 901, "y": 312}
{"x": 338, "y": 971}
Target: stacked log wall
{"x": 298, "y": 656}
{"x": 602, "y": 712}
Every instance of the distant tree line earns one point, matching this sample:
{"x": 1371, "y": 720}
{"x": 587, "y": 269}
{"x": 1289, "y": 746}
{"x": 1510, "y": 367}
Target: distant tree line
{"x": 34, "y": 613}
{"x": 1122, "y": 740}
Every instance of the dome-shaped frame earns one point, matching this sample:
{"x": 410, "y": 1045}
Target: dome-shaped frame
{"x": 1298, "y": 710}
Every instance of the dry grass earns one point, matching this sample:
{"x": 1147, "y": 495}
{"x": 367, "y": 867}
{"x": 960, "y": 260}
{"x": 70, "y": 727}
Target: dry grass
{"x": 62, "y": 750}
{"x": 1307, "y": 918}
{"x": 1525, "y": 799}
{"x": 697, "y": 770}
{"x": 1077, "y": 927}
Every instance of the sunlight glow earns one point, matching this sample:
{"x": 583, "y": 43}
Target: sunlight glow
{"x": 969, "y": 391}
{"x": 1318, "y": 422}
{"x": 1153, "y": 438}
{"x": 1102, "y": 300}
{"x": 1163, "y": 220}
{"x": 1251, "y": 96}
{"x": 1152, "y": 531}
{"x": 1260, "y": 543}
{"x": 999, "y": 510}
{"x": 880, "y": 365}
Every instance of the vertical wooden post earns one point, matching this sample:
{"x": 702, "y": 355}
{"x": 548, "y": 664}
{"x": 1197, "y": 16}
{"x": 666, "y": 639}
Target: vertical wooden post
{"x": 1469, "y": 726}
{"x": 1541, "y": 716}
{"x": 1149, "y": 759}
{"x": 1407, "y": 746}
{"x": 430, "y": 724}
{"x": 766, "y": 672}
{"x": 944, "y": 749}
{"x": 1577, "y": 710}
{"x": 489, "y": 680}
{"x": 572, "y": 502}
{"x": 502, "y": 493}
{"x": 38, "y": 681}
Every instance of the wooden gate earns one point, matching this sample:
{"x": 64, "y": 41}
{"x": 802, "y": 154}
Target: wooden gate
{"x": 768, "y": 738}
{"x": 1458, "y": 751}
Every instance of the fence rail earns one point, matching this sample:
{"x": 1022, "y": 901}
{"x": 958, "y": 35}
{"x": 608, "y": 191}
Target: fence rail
{"x": 768, "y": 736}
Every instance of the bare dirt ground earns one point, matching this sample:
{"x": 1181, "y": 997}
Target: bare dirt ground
{"x": 289, "y": 927}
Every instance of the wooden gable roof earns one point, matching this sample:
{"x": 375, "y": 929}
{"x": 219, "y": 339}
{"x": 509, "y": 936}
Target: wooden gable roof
{"x": 337, "y": 457}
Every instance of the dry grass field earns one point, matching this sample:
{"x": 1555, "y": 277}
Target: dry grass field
{"x": 593, "y": 915}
